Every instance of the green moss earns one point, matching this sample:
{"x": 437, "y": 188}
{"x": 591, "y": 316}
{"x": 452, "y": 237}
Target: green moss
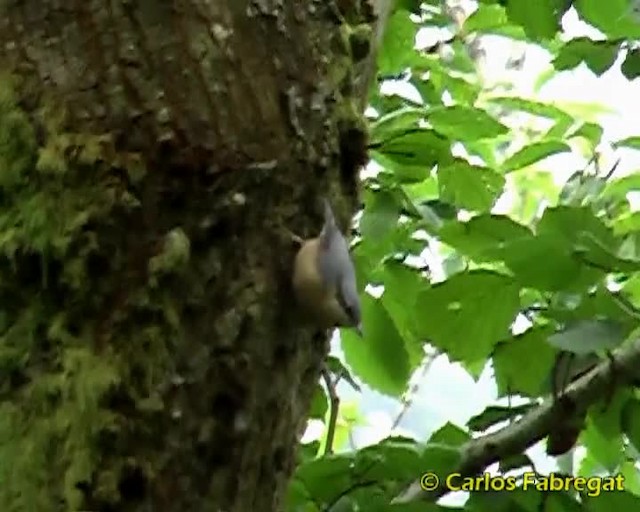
{"x": 79, "y": 333}
{"x": 360, "y": 41}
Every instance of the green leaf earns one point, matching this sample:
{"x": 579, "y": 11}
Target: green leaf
{"x": 561, "y": 502}
{"x": 600, "y": 303}
{"x": 521, "y": 363}
{"x": 451, "y": 435}
{"x": 559, "y": 272}
{"x": 308, "y": 451}
{"x": 402, "y": 284}
{"x": 631, "y": 66}
{"x": 603, "y": 436}
{"x": 397, "y": 49}
{"x": 571, "y": 223}
{"x": 613, "y": 18}
{"x": 629, "y": 142}
{"x": 599, "y": 56}
{"x": 325, "y": 478}
{"x": 395, "y": 123}
{"x": 465, "y": 123}
{"x": 581, "y": 189}
{"x": 631, "y": 422}
{"x": 380, "y": 216}
{"x": 533, "y": 153}
{"x": 391, "y": 459}
{"x": 484, "y": 18}
{"x": 592, "y": 132}
{"x": 493, "y": 501}
{"x": 298, "y": 498}
{"x": 540, "y": 20}
{"x": 629, "y": 472}
{"x": 568, "y": 240}
{"x": 587, "y": 336}
{"x": 606, "y": 501}
{"x": 497, "y": 414}
{"x": 380, "y": 359}
{"x": 402, "y": 172}
{"x": 441, "y": 459}
{"x": 419, "y": 147}
{"x": 532, "y": 107}
{"x": 482, "y": 235}
{"x": 469, "y": 186}
{"x": 319, "y": 404}
{"x": 468, "y": 313}
{"x": 598, "y": 254}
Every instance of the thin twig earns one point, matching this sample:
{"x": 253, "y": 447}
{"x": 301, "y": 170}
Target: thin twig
{"x": 334, "y": 405}
{"x": 407, "y": 400}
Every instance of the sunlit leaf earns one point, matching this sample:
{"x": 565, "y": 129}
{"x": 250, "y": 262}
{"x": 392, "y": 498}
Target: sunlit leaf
{"x": 533, "y": 153}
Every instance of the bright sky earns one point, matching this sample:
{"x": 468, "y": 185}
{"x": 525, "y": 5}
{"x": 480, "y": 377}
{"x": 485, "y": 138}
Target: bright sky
{"x": 446, "y": 393}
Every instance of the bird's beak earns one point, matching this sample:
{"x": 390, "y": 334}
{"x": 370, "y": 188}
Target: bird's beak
{"x": 358, "y": 329}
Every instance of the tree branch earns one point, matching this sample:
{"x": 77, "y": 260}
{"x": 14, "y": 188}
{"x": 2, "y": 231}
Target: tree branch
{"x": 478, "y": 454}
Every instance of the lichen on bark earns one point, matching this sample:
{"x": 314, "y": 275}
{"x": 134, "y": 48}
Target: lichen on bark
{"x": 68, "y": 354}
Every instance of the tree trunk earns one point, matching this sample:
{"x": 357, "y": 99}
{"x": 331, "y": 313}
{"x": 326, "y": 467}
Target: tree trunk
{"x": 152, "y": 156}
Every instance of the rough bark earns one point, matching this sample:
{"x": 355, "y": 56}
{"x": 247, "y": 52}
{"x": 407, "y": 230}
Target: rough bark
{"x": 151, "y": 353}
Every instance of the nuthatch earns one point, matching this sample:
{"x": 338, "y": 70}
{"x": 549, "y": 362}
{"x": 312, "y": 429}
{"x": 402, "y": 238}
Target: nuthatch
{"x": 324, "y": 279}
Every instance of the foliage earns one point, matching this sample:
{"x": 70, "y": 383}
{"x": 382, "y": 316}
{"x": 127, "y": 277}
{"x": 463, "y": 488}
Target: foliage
{"x": 563, "y": 260}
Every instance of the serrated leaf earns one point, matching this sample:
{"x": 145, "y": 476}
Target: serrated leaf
{"x": 468, "y": 313}
{"x": 402, "y": 284}
{"x": 534, "y": 153}
{"x": 595, "y": 253}
{"x": 522, "y": 362}
{"x": 532, "y": 107}
{"x": 485, "y": 17}
{"x": 480, "y": 236}
{"x": 380, "y": 359}
{"x": 559, "y": 272}
{"x": 589, "y": 131}
{"x": 469, "y": 186}
{"x": 588, "y": 336}
{"x": 540, "y": 20}
{"x": 397, "y": 48}
{"x": 465, "y": 123}
{"x": 395, "y": 123}
{"x": 629, "y": 142}
{"x": 599, "y": 56}
{"x": 613, "y": 18}
{"x": 380, "y": 215}
{"x": 450, "y": 435}
{"x": 391, "y": 459}
{"x": 325, "y": 478}
{"x": 401, "y": 172}
{"x": 420, "y": 147}
{"x": 440, "y": 458}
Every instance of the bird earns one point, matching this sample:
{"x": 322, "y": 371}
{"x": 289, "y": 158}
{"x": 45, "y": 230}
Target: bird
{"x": 324, "y": 278}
